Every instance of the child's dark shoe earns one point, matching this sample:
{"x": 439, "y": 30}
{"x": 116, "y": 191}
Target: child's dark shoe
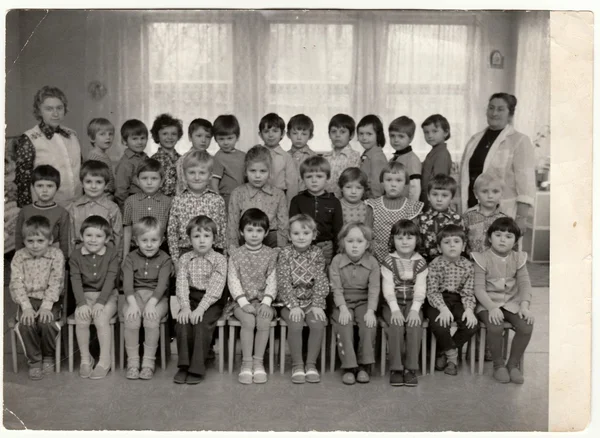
{"x": 193, "y": 379}
{"x": 516, "y": 376}
{"x": 501, "y": 375}
{"x": 147, "y": 373}
{"x": 397, "y": 378}
{"x": 180, "y": 376}
{"x": 133, "y": 373}
{"x": 349, "y": 378}
{"x": 451, "y": 369}
{"x": 48, "y": 365}
{"x": 312, "y": 375}
{"x": 410, "y": 378}
{"x": 298, "y": 375}
{"x": 363, "y": 375}
{"x": 488, "y": 355}
{"x": 440, "y": 362}
{"x": 35, "y": 373}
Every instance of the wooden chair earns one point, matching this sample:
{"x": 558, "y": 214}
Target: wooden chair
{"x": 505, "y": 347}
{"x": 233, "y": 322}
{"x": 282, "y": 341}
{"x": 432, "y": 353}
{"x": 384, "y": 326}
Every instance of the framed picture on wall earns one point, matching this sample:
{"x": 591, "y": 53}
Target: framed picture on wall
{"x": 496, "y": 59}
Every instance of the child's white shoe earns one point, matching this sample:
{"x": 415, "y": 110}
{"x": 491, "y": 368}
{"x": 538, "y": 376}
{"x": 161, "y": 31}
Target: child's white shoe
{"x": 260, "y": 374}
{"x": 245, "y": 375}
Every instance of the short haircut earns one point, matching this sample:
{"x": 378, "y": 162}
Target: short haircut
{"x": 305, "y": 220}
{"x": 133, "y": 127}
{"x": 200, "y": 123}
{"x": 44, "y": 93}
{"x": 394, "y": 167}
{"x": 352, "y": 174}
{"x": 46, "y": 172}
{"x": 98, "y": 124}
{"x": 258, "y": 154}
{"x": 271, "y": 120}
{"x": 165, "y": 121}
{"x": 506, "y": 224}
{"x": 316, "y": 163}
{"x": 486, "y": 179}
{"x": 94, "y": 168}
{"x": 145, "y": 225}
{"x": 98, "y": 222}
{"x": 451, "y": 230}
{"x": 226, "y": 124}
{"x": 37, "y": 225}
{"x": 150, "y": 165}
{"x": 442, "y": 182}
{"x": 254, "y": 217}
{"x": 195, "y": 158}
{"x": 403, "y": 124}
{"x": 511, "y": 101}
{"x": 342, "y": 121}
{"x": 201, "y": 222}
{"x": 439, "y": 121}
{"x": 401, "y": 228}
{"x": 301, "y": 121}
{"x": 375, "y": 122}
{"x": 365, "y": 230}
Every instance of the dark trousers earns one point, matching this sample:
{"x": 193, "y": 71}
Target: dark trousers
{"x": 520, "y": 341}
{"x": 445, "y": 340}
{"x": 39, "y": 339}
{"x": 194, "y": 340}
{"x": 396, "y": 339}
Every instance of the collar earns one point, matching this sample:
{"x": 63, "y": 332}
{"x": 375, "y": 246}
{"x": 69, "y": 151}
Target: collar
{"x": 478, "y": 210}
{"x": 415, "y": 256}
{"x": 209, "y": 255}
{"x": 207, "y": 189}
{"x": 325, "y": 195}
{"x": 27, "y": 255}
{"x": 173, "y": 154}
{"x": 364, "y": 260}
{"x": 304, "y": 150}
{"x": 84, "y": 251}
{"x": 433, "y": 213}
{"x": 349, "y": 204}
{"x": 130, "y": 154}
{"x": 44, "y": 207}
{"x": 254, "y": 250}
{"x": 85, "y": 199}
{"x": 49, "y": 131}
{"x": 277, "y": 149}
{"x": 267, "y": 188}
{"x": 346, "y": 150}
{"x": 437, "y": 147}
{"x": 141, "y": 254}
{"x": 154, "y": 197}
{"x": 460, "y": 262}
{"x": 402, "y": 152}
{"x": 371, "y": 151}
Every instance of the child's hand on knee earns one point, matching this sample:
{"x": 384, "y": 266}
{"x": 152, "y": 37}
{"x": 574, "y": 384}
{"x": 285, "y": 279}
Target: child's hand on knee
{"x": 132, "y": 312}
{"x": 470, "y": 317}
{"x": 397, "y": 317}
{"x": 413, "y": 320}
{"x": 197, "y": 315}
{"x": 183, "y": 317}
{"x": 150, "y": 309}
{"x": 264, "y": 311}
{"x": 526, "y": 314}
{"x": 28, "y": 317}
{"x": 319, "y": 313}
{"x": 370, "y": 319}
{"x": 445, "y": 317}
{"x": 83, "y": 312}
{"x": 296, "y": 314}
{"x": 45, "y": 315}
{"x": 496, "y": 316}
{"x": 97, "y": 310}
{"x": 249, "y": 308}
{"x": 345, "y": 316}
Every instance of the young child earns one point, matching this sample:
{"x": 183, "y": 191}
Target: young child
{"x": 402, "y": 133}
{"x": 167, "y": 131}
{"x": 252, "y": 281}
{"x": 200, "y": 135}
{"x": 503, "y": 292}
{"x": 450, "y": 297}
{"x": 134, "y": 136}
{"x": 101, "y": 134}
{"x": 146, "y": 274}
{"x": 440, "y": 191}
{"x": 93, "y": 269}
{"x": 372, "y": 139}
{"x": 94, "y": 176}
{"x": 284, "y": 174}
{"x": 341, "y": 131}
{"x": 300, "y": 129}
{"x": 201, "y": 279}
{"x": 353, "y": 184}
{"x": 436, "y": 131}
{"x": 258, "y": 192}
{"x": 45, "y": 181}
{"x": 354, "y": 277}
{"x": 319, "y": 204}
{"x": 197, "y": 199}
{"x": 36, "y": 284}
{"x": 403, "y": 284}
{"x": 149, "y": 202}
{"x": 228, "y": 171}
{"x": 303, "y": 288}
{"x": 391, "y": 207}
{"x": 488, "y": 191}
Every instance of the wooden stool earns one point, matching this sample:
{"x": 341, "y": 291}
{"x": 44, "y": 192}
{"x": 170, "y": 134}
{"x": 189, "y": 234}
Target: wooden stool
{"x": 283, "y": 338}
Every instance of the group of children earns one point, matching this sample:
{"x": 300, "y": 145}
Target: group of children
{"x": 271, "y": 233}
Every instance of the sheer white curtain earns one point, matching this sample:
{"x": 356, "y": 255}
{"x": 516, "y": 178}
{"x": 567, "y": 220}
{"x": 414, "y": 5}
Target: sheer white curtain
{"x": 204, "y": 63}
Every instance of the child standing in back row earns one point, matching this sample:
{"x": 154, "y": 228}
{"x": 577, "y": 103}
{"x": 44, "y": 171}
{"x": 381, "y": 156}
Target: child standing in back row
{"x": 101, "y": 134}
{"x": 200, "y": 135}
{"x": 134, "y": 135}
{"x": 166, "y": 132}
{"x": 436, "y": 130}
{"x": 372, "y": 138}
{"x": 341, "y": 131}
{"x": 402, "y": 133}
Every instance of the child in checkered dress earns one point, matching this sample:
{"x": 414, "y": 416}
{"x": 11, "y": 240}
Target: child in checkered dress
{"x": 353, "y": 184}
{"x": 303, "y": 287}
{"x": 252, "y": 281}
{"x": 166, "y": 132}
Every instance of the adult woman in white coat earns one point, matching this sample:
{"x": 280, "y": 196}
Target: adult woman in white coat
{"x": 504, "y": 152}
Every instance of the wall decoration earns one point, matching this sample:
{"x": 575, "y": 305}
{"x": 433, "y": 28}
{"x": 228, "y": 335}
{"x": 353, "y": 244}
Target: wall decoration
{"x": 496, "y": 59}
{"x": 96, "y": 90}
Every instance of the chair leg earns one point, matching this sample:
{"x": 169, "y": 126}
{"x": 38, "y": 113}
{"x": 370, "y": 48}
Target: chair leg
{"x": 13, "y": 347}
{"x": 332, "y": 352}
{"x": 122, "y": 345}
{"x": 271, "y": 349}
{"x": 282, "y": 339}
{"x": 163, "y": 346}
{"x": 473, "y": 343}
{"x": 383, "y": 347}
{"x": 221, "y": 349}
{"x": 57, "y": 354}
{"x": 505, "y": 337}
{"x": 70, "y": 347}
{"x": 324, "y": 351}
{"x": 424, "y": 352}
{"x": 112, "y": 347}
{"x": 231, "y": 347}
{"x": 482, "y": 335}
{"x": 432, "y": 354}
